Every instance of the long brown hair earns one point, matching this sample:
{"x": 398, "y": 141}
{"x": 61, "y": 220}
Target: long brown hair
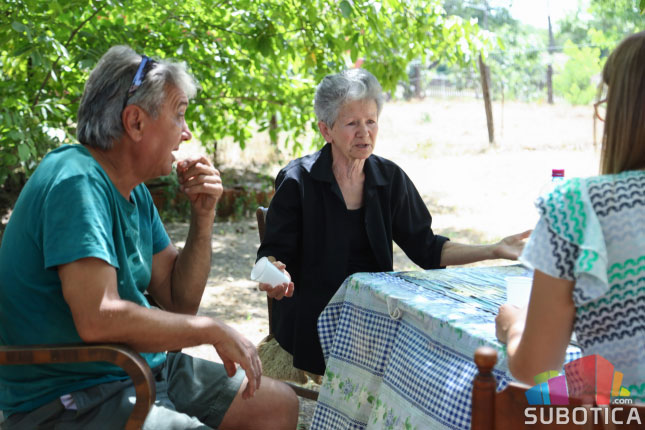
{"x": 623, "y": 145}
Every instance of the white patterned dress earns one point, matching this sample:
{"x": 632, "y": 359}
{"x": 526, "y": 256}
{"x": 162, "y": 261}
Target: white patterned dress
{"x": 592, "y": 231}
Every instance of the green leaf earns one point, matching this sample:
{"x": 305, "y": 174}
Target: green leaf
{"x": 642, "y": 6}
{"x": 11, "y": 160}
{"x": 23, "y": 152}
{"x": 264, "y": 45}
{"x": 19, "y": 27}
{"x": 353, "y": 53}
{"x": 345, "y": 9}
{"x": 22, "y": 49}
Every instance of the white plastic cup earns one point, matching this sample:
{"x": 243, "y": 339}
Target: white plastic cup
{"x": 265, "y": 272}
{"x": 518, "y": 290}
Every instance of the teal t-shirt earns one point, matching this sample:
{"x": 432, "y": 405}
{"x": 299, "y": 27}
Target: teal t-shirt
{"x": 68, "y": 210}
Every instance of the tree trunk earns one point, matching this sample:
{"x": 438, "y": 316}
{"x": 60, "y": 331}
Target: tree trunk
{"x": 485, "y": 79}
{"x": 549, "y": 69}
{"x": 416, "y": 80}
{"x": 549, "y": 83}
{"x": 273, "y": 130}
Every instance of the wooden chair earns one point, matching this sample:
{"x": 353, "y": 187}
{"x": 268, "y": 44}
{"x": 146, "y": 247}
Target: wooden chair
{"x": 506, "y": 410}
{"x": 307, "y": 393}
{"x": 124, "y": 357}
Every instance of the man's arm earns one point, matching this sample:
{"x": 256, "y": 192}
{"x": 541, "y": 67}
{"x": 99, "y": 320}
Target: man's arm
{"x": 100, "y": 315}
{"x": 178, "y": 279}
{"x": 509, "y": 248}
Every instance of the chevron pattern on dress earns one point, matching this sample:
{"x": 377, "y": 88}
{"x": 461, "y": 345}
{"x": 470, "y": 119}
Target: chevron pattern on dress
{"x": 565, "y": 254}
{"x": 614, "y": 193}
{"x": 563, "y": 210}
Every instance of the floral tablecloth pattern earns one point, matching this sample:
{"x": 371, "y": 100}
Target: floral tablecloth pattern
{"x": 399, "y": 347}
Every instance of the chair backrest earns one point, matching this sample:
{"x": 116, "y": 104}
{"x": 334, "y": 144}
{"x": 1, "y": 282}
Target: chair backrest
{"x": 508, "y": 409}
{"x": 134, "y": 365}
{"x": 260, "y": 215}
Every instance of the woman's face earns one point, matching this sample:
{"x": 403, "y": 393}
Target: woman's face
{"x": 353, "y": 135}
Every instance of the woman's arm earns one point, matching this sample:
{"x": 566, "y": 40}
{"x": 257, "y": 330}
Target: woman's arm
{"x": 508, "y": 248}
{"x": 412, "y": 231}
{"x": 282, "y": 233}
{"x": 537, "y": 339}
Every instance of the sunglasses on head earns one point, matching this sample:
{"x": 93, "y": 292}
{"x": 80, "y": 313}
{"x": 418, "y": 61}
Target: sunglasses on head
{"x": 145, "y": 66}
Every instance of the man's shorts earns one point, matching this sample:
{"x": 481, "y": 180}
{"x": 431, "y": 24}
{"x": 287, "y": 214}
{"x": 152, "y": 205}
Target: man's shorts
{"x": 191, "y": 394}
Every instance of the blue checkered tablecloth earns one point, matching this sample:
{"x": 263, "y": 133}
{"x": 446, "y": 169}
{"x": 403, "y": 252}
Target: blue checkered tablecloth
{"x": 399, "y": 347}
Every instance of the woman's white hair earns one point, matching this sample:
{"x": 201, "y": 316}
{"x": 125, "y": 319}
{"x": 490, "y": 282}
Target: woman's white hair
{"x": 106, "y": 94}
{"x": 348, "y": 85}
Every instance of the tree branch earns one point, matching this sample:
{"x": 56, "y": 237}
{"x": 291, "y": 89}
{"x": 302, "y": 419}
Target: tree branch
{"x": 248, "y": 99}
{"x": 69, "y": 40}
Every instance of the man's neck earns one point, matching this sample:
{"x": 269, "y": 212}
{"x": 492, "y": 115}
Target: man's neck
{"x": 118, "y": 166}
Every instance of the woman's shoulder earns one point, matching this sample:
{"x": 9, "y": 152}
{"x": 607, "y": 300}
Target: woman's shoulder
{"x": 597, "y": 191}
{"x": 622, "y": 185}
{"x": 384, "y": 162}
{"x": 573, "y": 207}
{"x": 301, "y": 164}
{"x": 301, "y": 168}
{"x": 595, "y": 186}
{"x": 386, "y": 171}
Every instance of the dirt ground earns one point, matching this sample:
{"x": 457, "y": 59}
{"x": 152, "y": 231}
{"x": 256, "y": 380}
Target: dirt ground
{"x": 476, "y": 193}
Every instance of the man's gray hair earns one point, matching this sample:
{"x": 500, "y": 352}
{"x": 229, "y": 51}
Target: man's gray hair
{"x": 106, "y": 94}
{"x": 346, "y": 86}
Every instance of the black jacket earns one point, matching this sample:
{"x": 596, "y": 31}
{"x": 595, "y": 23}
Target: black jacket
{"x": 305, "y": 230}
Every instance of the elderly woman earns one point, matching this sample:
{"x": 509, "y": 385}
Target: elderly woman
{"x": 337, "y": 211}
{"x": 588, "y": 247}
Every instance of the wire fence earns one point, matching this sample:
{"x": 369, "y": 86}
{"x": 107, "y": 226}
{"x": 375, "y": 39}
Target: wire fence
{"x": 561, "y": 76}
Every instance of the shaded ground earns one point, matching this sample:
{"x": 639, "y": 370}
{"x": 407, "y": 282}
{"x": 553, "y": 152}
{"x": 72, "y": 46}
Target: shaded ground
{"x": 229, "y": 295}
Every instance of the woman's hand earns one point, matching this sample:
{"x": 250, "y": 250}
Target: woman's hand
{"x": 537, "y": 336}
{"x": 282, "y": 290}
{"x": 511, "y": 247}
{"x": 507, "y": 316}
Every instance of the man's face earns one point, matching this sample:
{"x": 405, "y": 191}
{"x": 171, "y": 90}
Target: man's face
{"x": 164, "y": 134}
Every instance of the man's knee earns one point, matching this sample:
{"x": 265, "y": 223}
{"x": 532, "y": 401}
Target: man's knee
{"x": 274, "y": 406}
{"x": 288, "y": 405}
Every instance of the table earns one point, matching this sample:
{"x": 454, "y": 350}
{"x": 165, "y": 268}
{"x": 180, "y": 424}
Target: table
{"x": 399, "y": 347}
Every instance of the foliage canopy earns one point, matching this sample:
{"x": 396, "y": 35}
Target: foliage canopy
{"x": 254, "y": 60}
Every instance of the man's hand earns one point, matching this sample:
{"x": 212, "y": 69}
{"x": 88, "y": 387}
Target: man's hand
{"x": 511, "y": 247}
{"x": 282, "y": 290}
{"x": 233, "y": 348}
{"x": 201, "y": 182}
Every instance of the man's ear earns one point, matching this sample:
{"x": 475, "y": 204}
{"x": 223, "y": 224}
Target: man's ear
{"x": 325, "y": 130}
{"x": 134, "y": 120}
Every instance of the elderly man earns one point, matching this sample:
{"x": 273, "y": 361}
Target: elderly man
{"x": 85, "y": 242}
